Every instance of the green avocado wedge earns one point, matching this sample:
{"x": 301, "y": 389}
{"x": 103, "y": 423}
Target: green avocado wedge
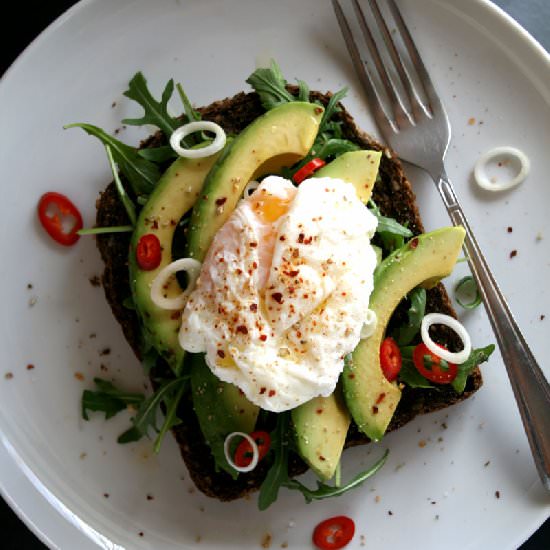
{"x": 357, "y": 167}
{"x": 321, "y": 424}
{"x": 174, "y": 195}
{"x": 425, "y": 259}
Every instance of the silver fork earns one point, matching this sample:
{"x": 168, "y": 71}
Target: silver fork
{"x": 420, "y": 132}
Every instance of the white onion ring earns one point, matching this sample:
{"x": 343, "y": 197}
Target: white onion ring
{"x": 250, "y": 187}
{"x": 480, "y": 174}
{"x": 369, "y": 325}
{"x": 191, "y": 266}
{"x": 190, "y": 128}
{"x": 440, "y": 319}
{"x": 255, "y": 452}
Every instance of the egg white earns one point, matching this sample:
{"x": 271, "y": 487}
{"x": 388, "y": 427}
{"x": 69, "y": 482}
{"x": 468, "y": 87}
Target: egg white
{"x": 278, "y": 305}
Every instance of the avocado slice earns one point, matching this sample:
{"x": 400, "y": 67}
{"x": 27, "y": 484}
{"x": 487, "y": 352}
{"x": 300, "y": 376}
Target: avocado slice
{"x": 221, "y": 409}
{"x": 278, "y": 138}
{"x": 321, "y": 424}
{"x": 357, "y": 167}
{"x": 175, "y": 194}
{"x": 370, "y": 398}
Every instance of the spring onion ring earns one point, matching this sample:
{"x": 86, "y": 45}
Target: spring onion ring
{"x": 191, "y": 266}
{"x": 465, "y": 284}
{"x": 480, "y": 173}
{"x": 198, "y": 126}
{"x": 255, "y": 452}
{"x": 440, "y": 319}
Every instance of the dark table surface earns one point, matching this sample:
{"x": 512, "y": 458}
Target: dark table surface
{"x": 28, "y": 19}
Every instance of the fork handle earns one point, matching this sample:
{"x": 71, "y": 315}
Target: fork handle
{"x": 531, "y": 389}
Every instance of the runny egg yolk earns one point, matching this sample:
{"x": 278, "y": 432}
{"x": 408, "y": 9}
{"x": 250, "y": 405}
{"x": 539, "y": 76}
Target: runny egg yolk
{"x": 283, "y": 291}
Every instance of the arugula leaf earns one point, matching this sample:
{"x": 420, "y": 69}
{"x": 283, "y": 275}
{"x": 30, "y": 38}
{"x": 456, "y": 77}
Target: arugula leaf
{"x": 335, "y": 147}
{"x": 158, "y": 154}
{"x": 303, "y": 91}
{"x": 107, "y": 399}
{"x": 107, "y": 229}
{"x": 141, "y": 173}
{"x": 190, "y": 113}
{"x": 146, "y": 416}
{"x": 170, "y": 420}
{"x": 330, "y": 110}
{"x": 404, "y": 335}
{"x": 270, "y": 85}
{"x": 125, "y": 199}
{"x": 277, "y": 475}
{"x": 477, "y": 356}
{"x": 391, "y": 232}
{"x": 155, "y": 112}
{"x": 409, "y": 374}
{"x": 327, "y": 491}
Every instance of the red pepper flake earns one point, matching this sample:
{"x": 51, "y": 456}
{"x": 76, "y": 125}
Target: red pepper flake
{"x": 262, "y": 390}
{"x": 105, "y": 351}
{"x": 150, "y": 497}
{"x": 242, "y": 329}
{"x": 318, "y": 110}
{"x": 30, "y": 367}
{"x": 291, "y": 273}
{"x": 221, "y": 201}
{"x": 140, "y": 533}
{"x": 175, "y": 315}
{"x": 253, "y": 245}
{"x": 413, "y": 243}
{"x": 374, "y": 409}
{"x": 106, "y": 495}
{"x": 254, "y": 265}
{"x": 263, "y": 337}
{"x": 254, "y": 307}
{"x": 282, "y": 238}
{"x": 301, "y": 238}
{"x": 278, "y": 297}
{"x": 351, "y": 376}
{"x": 380, "y": 398}
{"x": 542, "y": 317}
{"x": 271, "y": 393}
{"x": 239, "y": 271}
{"x": 513, "y": 254}
{"x": 497, "y": 494}
{"x": 79, "y": 376}
{"x": 308, "y": 240}
{"x": 509, "y": 229}
{"x": 221, "y": 353}
{"x": 322, "y": 458}
{"x": 319, "y": 411}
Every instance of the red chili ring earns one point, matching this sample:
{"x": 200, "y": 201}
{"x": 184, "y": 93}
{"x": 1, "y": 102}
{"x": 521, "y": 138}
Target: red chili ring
{"x": 52, "y": 222}
{"x": 307, "y": 170}
{"x": 148, "y": 252}
{"x": 334, "y": 533}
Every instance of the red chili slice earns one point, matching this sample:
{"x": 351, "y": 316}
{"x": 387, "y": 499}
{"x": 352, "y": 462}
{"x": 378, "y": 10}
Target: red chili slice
{"x": 148, "y": 252}
{"x": 436, "y": 371}
{"x": 307, "y": 170}
{"x": 334, "y": 533}
{"x": 53, "y": 210}
{"x": 390, "y": 359}
{"x": 243, "y": 454}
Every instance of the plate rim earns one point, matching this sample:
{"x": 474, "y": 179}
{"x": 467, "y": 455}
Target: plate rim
{"x": 47, "y": 533}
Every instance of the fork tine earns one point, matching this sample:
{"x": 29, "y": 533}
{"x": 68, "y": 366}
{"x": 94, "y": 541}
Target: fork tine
{"x": 431, "y": 94}
{"x": 380, "y": 115}
{"x": 399, "y": 110}
{"x": 410, "y": 89}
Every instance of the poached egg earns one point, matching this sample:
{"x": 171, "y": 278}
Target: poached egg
{"x": 283, "y": 292}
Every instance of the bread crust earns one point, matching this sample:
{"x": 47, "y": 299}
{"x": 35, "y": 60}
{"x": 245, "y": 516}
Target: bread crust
{"x": 394, "y": 196}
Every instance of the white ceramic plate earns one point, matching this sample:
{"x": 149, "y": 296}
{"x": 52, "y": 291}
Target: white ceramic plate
{"x": 69, "y": 479}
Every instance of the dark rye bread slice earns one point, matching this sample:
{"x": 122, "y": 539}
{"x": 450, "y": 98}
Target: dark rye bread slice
{"x": 394, "y": 196}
